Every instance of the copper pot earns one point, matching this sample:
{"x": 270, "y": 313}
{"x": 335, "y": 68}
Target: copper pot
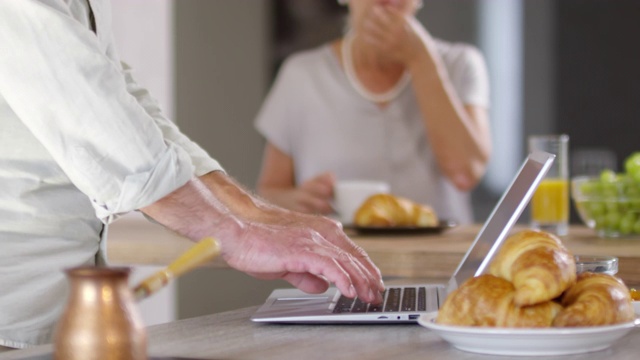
{"x": 100, "y": 320}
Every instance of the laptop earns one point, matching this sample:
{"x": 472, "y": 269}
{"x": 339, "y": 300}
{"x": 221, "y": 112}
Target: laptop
{"x": 405, "y": 303}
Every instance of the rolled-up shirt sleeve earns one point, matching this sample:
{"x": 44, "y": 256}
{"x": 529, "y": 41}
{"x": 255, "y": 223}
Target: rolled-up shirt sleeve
{"x": 202, "y": 162}
{"x": 83, "y": 108}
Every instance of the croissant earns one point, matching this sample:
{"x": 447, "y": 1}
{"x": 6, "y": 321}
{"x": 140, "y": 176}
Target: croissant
{"x": 487, "y": 300}
{"x": 595, "y": 299}
{"x": 390, "y": 210}
{"x": 537, "y": 264}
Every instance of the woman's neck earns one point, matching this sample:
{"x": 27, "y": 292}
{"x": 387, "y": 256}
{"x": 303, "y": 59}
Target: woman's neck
{"x": 378, "y": 83}
{"x": 369, "y": 58}
{"x": 373, "y": 71}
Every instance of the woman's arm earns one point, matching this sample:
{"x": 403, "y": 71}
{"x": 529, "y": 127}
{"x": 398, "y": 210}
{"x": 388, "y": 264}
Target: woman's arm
{"x": 276, "y": 183}
{"x": 459, "y": 133}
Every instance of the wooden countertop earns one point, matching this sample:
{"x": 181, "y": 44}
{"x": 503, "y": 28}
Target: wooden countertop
{"x": 439, "y": 255}
{"x": 132, "y": 240}
{"x": 231, "y": 335}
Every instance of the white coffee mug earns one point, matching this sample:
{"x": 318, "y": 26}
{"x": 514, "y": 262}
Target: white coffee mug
{"x": 350, "y": 194}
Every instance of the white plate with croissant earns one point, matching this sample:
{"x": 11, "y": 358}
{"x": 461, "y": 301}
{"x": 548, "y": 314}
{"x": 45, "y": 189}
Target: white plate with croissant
{"x": 533, "y": 302}
{"x": 528, "y": 341}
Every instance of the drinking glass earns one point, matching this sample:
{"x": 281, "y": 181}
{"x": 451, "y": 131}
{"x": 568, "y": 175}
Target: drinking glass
{"x": 550, "y": 203}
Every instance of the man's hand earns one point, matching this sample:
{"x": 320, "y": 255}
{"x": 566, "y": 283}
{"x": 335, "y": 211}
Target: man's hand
{"x": 307, "y": 251}
{"x": 269, "y": 242}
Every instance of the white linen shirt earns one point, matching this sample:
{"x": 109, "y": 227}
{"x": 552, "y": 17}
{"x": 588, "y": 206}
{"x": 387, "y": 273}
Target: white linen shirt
{"x": 80, "y": 143}
{"x": 314, "y": 115}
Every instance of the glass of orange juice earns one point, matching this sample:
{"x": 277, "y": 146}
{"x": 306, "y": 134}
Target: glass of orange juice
{"x": 550, "y": 203}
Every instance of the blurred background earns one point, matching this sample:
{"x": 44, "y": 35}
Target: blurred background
{"x": 565, "y": 66}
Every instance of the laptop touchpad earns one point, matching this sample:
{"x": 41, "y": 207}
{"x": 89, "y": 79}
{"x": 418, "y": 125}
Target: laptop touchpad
{"x": 301, "y": 301}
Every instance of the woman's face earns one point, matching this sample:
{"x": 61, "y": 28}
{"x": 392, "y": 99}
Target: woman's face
{"x": 360, "y": 9}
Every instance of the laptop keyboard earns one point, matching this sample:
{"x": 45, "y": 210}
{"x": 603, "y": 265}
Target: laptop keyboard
{"x": 395, "y": 299}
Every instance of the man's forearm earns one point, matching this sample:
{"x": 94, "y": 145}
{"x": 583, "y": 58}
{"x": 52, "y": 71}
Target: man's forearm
{"x": 240, "y": 202}
{"x": 194, "y": 212}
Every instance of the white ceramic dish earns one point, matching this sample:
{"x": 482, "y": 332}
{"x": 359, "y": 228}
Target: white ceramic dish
{"x": 636, "y": 307}
{"x": 528, "y": 342}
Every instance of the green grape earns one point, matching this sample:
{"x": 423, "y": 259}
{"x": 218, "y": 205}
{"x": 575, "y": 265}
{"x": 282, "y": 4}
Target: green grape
{"x": 611, "y": 205}
{"x": 589, "y": 188}
{"x": 600, "y": 221}
{"x": 631, "y": 190}
{"x": 612, "y": 221}
{"x": 624, "y": 206}
{"x": 626, "y": 224}
{"x": 596, "y": 208}
{"x": 635, "y": 175}
{"x": 608, "y": 176}
{"x": 632, "y": 163}
{"x": 636, "y": 227}
{"x": 609, "y": 189}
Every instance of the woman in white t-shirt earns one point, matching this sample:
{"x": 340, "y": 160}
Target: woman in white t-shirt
{"x": 385, "y": 102}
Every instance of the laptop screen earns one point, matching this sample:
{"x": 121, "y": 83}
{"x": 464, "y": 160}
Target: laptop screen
{"x": 504, "y": 215}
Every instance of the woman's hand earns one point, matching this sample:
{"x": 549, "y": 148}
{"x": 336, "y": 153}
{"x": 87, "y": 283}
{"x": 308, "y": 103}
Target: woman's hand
{"x": 277, "y": 184}
{"x": 313, "y": 196}
{"x": 395, "y": 35}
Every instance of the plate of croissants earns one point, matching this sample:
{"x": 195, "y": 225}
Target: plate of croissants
{"x": 532, "y": 302}
{"x": 382, "y": 214}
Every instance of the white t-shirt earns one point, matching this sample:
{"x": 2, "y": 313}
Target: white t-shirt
{"x": 80, "y": 143}
{"x": 313, "y": 114}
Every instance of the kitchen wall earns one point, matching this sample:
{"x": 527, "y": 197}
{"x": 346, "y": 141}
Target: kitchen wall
{"x": 222, "y": 72}
{"x": 597, "y": 74}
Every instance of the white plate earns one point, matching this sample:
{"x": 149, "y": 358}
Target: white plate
{"x": 530, "y": 342}
{"x": 403, "y": 230}
{"x": 636, "y": 307}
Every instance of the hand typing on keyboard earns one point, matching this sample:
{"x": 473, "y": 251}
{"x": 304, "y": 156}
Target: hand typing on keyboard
{"x": 269, "y": 242}
{"x": 395, "y": 299}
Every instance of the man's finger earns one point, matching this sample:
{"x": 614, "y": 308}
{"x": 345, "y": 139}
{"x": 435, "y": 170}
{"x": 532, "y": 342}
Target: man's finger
{"x": 362, "y": 280}
{"x": 336, "y": 236}
{"x": 318, "y": 264}
{"x": 307, "y": 282}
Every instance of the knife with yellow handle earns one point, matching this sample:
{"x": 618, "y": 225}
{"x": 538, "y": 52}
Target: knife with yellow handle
{"x": 205, "y": 250}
